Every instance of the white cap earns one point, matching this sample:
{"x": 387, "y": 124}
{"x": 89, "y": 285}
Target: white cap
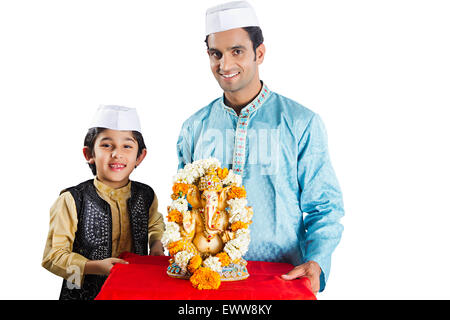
{"x": 230, "y": 15}
{"x": 116, "y": 118}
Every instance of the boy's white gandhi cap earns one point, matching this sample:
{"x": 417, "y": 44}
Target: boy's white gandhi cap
{"x": 230, "y": 15}
{"x": 116, "y": 118}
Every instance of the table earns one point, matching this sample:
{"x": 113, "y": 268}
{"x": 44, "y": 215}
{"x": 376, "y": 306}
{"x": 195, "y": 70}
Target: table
{"x": 145, "y": 278}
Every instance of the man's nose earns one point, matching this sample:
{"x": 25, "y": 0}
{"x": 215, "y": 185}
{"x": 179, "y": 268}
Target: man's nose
{"x": 225, "y": 63}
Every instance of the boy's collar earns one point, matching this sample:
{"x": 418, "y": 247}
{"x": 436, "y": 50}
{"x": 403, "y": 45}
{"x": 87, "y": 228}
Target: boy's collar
{"x": 111, "y": 192}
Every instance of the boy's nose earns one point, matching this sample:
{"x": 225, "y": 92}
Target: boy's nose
{"x": 116, "y": 154}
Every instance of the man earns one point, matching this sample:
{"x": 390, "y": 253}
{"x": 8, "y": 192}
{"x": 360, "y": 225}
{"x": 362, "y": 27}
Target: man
{"x": 278, "y": 146}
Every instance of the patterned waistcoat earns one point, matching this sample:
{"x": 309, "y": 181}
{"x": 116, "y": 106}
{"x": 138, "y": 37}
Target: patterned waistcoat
{"x": 93, "y": 238}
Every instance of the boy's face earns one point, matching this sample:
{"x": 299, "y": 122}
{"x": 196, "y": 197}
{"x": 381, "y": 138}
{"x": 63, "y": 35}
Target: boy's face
{"x": 233, "y": 62}
{"x": 115, "y": 157}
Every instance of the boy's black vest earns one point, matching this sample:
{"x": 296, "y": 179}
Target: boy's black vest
{"x": 93, "y": 238}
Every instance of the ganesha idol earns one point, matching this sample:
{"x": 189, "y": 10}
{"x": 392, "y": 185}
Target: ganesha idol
{"x": 208, "y": 241}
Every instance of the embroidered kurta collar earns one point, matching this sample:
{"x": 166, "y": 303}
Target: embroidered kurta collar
{"x": 252, "y": 106}
{"x": 115, "y": 194}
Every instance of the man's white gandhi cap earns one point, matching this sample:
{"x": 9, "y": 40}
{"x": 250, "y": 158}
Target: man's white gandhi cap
{"x": 116, "y": 118}
{"x": 230, "y": 15}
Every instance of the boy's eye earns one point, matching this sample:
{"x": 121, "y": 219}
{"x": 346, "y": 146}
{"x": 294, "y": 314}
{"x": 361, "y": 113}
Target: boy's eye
{"x": 105, "y": 145}
{"x": 128, "y": 147}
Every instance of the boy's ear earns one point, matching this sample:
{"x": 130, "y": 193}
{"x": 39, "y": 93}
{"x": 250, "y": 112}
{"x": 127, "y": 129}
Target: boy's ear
{"x": 141, "y": 157}
{"x": 88, "y": 155}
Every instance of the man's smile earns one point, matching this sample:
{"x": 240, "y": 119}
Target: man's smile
{"x": 229, "y": 76}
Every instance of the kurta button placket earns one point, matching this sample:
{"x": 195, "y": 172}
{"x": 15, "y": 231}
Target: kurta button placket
{"x": 242, "y": 128}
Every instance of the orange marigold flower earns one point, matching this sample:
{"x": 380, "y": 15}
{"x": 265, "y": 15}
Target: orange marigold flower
{"x": 175, "y": 247}
{"x": 175, "y": 216}
{"x": 224, "y": 258}
{"x": 237, "y": 192}
{"x": 179, "y": 190}
{"x": 194, "y": 263}
{"x": 205, "y": 278}
{"x": 238, "y": 225}
{"x": 222, "y": 173}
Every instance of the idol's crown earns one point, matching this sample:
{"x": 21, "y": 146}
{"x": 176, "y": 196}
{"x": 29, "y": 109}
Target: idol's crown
{"x": 210, "y": 182}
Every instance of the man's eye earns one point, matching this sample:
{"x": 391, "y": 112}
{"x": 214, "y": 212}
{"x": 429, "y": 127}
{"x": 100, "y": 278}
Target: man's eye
{"x": 237, "y": 51}
{"x": 216, "y": 55}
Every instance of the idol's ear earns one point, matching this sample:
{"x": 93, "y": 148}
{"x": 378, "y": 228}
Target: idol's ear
{"x": 223, "y": 197}
{"x": 88, "y": 155}
{"x": 193, "y": 196}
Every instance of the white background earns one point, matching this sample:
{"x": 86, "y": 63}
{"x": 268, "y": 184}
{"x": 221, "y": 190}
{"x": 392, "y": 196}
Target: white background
{"x": 378, "y": 73}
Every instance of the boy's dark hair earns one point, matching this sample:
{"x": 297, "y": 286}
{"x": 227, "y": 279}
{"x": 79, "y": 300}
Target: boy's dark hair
{"x": 92, "y": 134}
{"x": 255, "y": 34}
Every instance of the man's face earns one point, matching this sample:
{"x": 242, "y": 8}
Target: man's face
{"x": 232, "y": 59}
{"x": 115, "y": 156}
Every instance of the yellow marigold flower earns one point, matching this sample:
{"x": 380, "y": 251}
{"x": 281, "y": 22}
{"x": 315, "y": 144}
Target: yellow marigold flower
{"x": 175, "y": 216}
{"x": 238, "y": 225}
{"x": 237, "y": 192}
{"x": 194, "y": 263}
{"x": 224, "y": 258}
{"x": 179, "y": 190}
{"x": 222, "y": 173}
{"x": 205, "y": 278}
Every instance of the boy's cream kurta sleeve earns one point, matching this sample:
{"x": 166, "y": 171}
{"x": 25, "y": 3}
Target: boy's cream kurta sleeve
{"x": 58, "y": 256}
{"x": 155, "y": 223}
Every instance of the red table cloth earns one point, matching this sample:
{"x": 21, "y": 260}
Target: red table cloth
{"x": 145, "y": 278}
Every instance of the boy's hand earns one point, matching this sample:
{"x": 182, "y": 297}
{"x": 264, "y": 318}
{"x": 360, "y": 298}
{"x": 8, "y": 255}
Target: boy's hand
{"x": 102, "y": 267}
{"x": 157, "y": 249}
{"x": 311, "y": 270}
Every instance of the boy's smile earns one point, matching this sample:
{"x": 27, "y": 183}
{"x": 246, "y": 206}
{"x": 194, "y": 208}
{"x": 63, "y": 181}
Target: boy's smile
{"x": 117, "y": 166}
{"x": 115, "y": 157}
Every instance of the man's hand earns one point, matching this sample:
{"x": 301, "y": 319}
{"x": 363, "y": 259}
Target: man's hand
{"x": 311, "y": 270}
{"x": 157, "y": 249}
{"x": 102, "y": 267}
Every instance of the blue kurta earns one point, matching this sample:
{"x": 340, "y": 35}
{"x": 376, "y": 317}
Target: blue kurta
{"x": 280, "y": 149}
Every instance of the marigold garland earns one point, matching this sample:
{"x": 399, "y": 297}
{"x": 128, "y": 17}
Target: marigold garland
{"x": 238, "y": 225}
{"x": 205, "y": 279}
{"x": 175, "y": 216}
{"x": 194, "y": 263}
{"x": 179, "y": 190}
{"x": 175, "y": 247}
{"x": 237, "y": 192}
{"x": 224, "y": 258}
{"x": 222, "y": 173}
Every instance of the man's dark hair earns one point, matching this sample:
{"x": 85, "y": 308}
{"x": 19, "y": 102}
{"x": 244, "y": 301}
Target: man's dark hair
{"x": 92, "y": 134}
{"x": 255, "y": 34}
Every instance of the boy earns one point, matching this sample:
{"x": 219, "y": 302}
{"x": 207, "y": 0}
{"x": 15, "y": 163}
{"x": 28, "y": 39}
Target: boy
{"x": 93, "y": 223}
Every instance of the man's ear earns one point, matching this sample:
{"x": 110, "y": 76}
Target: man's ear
{"x": 141, "y": 157}
{"x": 260, "y": 53}
{"x": 88, "y": 155}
